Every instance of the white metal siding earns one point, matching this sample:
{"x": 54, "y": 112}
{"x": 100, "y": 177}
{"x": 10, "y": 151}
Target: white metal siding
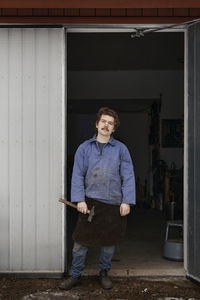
{"x": 31, "y": 96}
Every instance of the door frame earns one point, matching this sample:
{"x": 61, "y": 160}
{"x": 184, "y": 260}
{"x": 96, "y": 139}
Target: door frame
{"x": 119, "y": 28}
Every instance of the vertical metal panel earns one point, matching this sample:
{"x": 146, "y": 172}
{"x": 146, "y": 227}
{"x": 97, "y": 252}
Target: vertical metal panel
{"x": 42, "y": 142}
{"x": 185, "y": 163}
{"x": 4, "y": 147}
{"x": 29, "y": 157}
{"x": 55, "y": 97}
{"x": 193, "y": 234}
{"x": 15, "y": 147}
{"x": 31, "y": 88}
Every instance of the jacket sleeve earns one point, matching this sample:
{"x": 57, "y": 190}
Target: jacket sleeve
{"x": 128, "y": 178}
{"x": 78, "y": 177}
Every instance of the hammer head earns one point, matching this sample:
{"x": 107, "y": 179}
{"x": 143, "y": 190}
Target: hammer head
{"x": 91, "y": 214}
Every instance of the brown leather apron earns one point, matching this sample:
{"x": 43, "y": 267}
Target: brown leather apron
{"x": 107, "y": 228}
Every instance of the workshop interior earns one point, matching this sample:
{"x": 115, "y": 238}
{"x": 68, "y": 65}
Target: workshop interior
{"x": 142, "y": 78}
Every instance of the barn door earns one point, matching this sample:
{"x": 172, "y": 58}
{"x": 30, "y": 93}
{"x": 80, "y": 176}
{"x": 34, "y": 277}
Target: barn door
{"x": 31, "y": 150}
{"x": 193, "y": 154}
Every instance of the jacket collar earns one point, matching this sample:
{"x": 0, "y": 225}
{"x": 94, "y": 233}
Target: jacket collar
{"x": 111, "y": 140}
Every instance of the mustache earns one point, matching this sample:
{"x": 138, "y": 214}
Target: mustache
{"x": 105, "y": 128}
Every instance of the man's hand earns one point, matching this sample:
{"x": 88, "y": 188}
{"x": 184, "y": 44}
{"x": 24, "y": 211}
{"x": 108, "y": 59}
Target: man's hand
{"x": 124, "y": 209}
{"x": 82, "y": 207}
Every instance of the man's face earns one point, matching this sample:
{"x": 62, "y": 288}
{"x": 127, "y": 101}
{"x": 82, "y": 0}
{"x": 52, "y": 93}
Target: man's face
{"x": 106, "y": 125}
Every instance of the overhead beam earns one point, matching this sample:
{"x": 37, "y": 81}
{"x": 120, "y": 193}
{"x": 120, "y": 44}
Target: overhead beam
{"x": 87, "y": 20}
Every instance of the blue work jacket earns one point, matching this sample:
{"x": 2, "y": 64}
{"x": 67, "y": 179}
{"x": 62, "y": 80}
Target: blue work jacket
{"x": 107, "y": 177}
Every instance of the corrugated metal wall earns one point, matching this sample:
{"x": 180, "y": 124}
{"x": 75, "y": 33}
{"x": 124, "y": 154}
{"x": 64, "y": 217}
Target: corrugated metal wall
{"x": 31, "y": 95}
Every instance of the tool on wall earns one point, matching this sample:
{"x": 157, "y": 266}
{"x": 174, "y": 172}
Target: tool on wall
{"x": 90, "y": 212}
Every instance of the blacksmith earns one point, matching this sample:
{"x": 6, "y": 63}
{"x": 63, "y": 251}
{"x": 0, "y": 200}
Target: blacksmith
{"x": 103, "y": 178}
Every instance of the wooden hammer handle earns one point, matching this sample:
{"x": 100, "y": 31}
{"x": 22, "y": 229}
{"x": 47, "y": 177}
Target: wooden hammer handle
{"x": 70, "y": 204}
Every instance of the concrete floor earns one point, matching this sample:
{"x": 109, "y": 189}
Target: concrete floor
{"x": 140, "y": 254}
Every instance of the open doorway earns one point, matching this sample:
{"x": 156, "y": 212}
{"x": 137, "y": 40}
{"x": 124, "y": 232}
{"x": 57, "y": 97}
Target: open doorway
{"x": 143, "y": 80}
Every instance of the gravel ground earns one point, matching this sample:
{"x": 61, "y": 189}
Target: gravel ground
{"x": 124, "y": 289}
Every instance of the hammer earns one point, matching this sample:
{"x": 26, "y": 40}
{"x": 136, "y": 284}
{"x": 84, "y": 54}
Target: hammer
{"x": 90, "y": 212}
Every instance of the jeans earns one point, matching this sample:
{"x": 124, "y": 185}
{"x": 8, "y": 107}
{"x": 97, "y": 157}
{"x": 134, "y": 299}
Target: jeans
{"x": 79, "y": 254}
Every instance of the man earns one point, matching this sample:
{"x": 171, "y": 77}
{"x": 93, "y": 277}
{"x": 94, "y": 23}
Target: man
{"x": 102, "y": 178}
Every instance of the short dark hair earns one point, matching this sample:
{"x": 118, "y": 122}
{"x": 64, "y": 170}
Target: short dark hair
{"x": 109, "y": 112}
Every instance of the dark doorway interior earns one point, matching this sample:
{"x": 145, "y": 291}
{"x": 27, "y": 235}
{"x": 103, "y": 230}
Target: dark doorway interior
{"x": 143, "y": 79}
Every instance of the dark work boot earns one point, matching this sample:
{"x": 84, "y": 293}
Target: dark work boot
{"x": 70, "y": 282}
{"x": 105, "y": 281}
